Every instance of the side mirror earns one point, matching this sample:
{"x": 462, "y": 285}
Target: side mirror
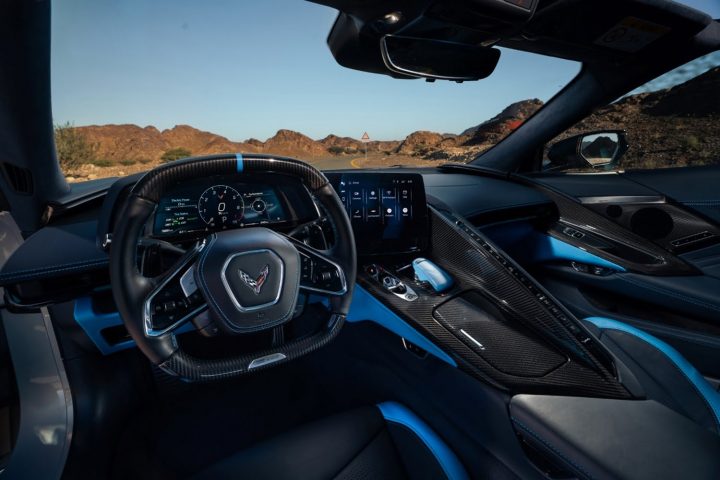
{"x": 600, "y": 150}
{"x": 437, "y": 59}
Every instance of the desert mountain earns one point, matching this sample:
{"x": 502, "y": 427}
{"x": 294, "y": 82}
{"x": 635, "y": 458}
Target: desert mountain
{"x": 127, "y": 143}
{"x": 341, "y": 142}
{"x": 419, "y": 140}
{"x": 293, "y": 144}
{"x": 676, "y": 126}
{"x": 471, "y": 142}
{"x": 493, "y": 130}
{"x": 699, "y": 96}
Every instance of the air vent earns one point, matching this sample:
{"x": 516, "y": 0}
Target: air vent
{"x": 20, "y": 179}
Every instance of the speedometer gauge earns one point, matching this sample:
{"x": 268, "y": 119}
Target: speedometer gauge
{"x": 221, "y": 206}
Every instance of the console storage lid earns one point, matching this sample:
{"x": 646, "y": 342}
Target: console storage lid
{"x": 619, "y": 439}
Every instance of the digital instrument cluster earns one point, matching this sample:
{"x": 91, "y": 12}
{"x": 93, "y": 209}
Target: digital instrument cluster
{"x": 209, "y": 206}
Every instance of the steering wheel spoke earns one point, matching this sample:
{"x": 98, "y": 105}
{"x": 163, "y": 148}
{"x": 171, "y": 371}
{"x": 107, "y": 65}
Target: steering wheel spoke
{"x": 319, "y": 271}
{"x": 175, "y": 299}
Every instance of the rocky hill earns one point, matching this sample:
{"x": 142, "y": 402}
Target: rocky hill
{"x": 293, "y": 144}
{"x": 495, "y": 129}
{"x": 118, "y": 143}
{"x": 679, "y": 126}
{"x": 125, "y": 144}
{"x": 472, "y": 141}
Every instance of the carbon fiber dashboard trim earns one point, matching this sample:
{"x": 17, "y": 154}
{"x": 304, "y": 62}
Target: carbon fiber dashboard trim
{"x": 152, "y": 185}
{"x": 684, "y": 225}
{"x": 577, "y": 214}
{"x": 478, "y": 265}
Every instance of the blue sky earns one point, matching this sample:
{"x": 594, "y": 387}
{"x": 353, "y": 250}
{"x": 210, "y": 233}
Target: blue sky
{"x": 248, "y": 68}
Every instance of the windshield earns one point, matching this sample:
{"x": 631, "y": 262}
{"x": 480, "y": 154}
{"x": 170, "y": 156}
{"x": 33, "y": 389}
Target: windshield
{"x": 138, "y": 83}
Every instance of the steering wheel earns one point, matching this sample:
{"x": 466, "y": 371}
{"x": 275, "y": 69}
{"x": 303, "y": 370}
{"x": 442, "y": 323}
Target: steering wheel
{"x": 248, "y": 280}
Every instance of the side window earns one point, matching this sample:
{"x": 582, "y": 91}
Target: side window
{"x": 671, "y": 121}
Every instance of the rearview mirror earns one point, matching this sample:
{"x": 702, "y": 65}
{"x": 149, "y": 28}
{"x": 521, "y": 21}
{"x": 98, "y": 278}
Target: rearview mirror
{"x": 600, "y": 150}
{"x": 437, "y": 59}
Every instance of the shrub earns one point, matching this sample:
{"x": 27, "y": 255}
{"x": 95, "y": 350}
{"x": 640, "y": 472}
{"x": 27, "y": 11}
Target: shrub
{"x": 72, "y": 147}
{"x": 101, "y": 162}
{"x": 437, "y": 155}
{"x": 175, "y": 154}
{"x": 127, "y": 162}
{"x": 145, "y": 161}
{"x": 691, "y": 142}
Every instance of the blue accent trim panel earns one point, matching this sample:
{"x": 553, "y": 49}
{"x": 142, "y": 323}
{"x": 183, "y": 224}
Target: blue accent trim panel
{"x": 396, "y": 413}
{"x": 695, "y": 377}
{"x": 365, "y": 307}
{"x": 94, "y": 323}
{"x": 240, "y": 163}
{"x": 550, "y": 248}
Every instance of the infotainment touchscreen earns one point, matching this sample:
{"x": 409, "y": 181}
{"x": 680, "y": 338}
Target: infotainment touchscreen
{"x": 388, "y": 211}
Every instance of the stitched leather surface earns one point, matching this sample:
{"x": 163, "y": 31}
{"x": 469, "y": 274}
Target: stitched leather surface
{"x": 349, "y": 446}
{"x": 37, "y": 257}
{"x": 618, "y": 439}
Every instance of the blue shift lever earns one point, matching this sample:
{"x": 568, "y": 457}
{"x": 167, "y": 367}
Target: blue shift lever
{"x": 426, "y": 271}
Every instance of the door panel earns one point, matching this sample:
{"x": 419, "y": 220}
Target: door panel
{"x": 696, "y": 188}
{"x": 669, "y": 213}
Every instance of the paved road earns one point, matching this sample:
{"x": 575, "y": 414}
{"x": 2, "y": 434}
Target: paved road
{"x": 335, "y": 163}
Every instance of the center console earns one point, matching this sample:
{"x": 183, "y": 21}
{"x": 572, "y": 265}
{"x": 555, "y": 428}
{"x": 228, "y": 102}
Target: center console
{"x": 454, "y": 286}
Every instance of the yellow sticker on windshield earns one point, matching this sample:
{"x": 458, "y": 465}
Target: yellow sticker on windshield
{"x": 631, "y": 34}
